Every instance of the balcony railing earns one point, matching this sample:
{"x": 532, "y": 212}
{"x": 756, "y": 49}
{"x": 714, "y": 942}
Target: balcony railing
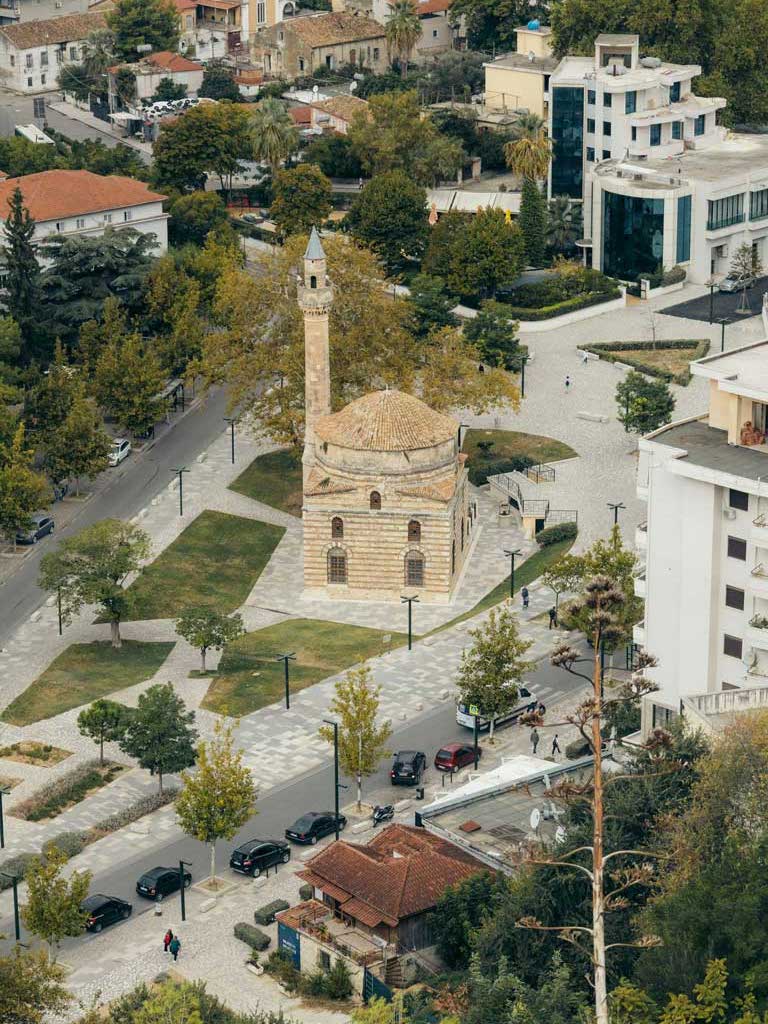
{"x": 761, "y": 569}
{"x": 759, "y": 622}
{"x": 725, "y": 222}
{"x": 761, "y": 520}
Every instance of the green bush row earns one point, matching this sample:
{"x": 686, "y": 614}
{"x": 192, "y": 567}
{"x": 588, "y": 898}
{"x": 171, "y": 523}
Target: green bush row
{"x": 567, "y": 306}
{"x": 68, "y": 789}
{"x": 479, "y": 471}
{"x": 335, "y": 983}
{"x": 554, "y": 534}
{"x": 136, "y": 810}
{"x": 266, "y": 914}
{"x": 251, "y": 936}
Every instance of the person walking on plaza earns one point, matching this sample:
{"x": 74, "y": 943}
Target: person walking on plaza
{"x": 534, "y": 739}
{"x": 555, "y": 750}
{"x": 552, "y": 617}
{"x": 174, "y": 947}
{"x": 524, "y": 595}
{"x": 167, "y": 939}
{"x": 567, "y": 385}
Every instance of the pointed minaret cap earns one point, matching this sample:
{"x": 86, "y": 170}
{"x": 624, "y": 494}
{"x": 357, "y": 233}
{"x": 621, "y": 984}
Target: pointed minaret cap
{"x": 314, "y": 247}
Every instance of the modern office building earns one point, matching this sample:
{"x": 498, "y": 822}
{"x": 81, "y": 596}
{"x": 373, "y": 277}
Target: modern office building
{"x": 705, "y": 582}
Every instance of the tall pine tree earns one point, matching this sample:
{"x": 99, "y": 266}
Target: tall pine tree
{"x": 19, "y": 255}
{"x": 533, "y": 222}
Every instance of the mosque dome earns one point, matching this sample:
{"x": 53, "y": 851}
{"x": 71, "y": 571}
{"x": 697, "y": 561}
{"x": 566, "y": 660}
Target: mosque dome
{"x": 386, "y": 421}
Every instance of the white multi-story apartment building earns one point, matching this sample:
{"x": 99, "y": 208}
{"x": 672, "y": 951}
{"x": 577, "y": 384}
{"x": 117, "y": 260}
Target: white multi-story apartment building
{"x": 705, "y": 584}
{"x": 662, "y": 183}
{"x": 32, "y": 52}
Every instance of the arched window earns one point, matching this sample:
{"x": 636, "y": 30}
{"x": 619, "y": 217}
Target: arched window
{"x": 375, "y": 501}
{"x": 414, "y": 569}
{"x": 337, "y": 565}
{"x": 414, "y": 531}
{"x": 337, "y": 528}
{"x": 312, "y": 281}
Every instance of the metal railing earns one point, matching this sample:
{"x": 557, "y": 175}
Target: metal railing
{"x": 761, "y": 569}
{"x": 562, "y": 515}
{"x": 540, "y": 474}
{"x": 725, "y": 222}
{"x": 761, "y": 520}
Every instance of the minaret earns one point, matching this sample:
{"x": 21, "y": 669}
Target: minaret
{"x": 315, "y": 298}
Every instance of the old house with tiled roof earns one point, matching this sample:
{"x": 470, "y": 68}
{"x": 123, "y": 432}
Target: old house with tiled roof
{"x": 151, "y": 70}
{"x": 32, "y": 52}
{"x": 386, "y": 500}
{"x": 335, "y": 114}
{"x": 301, "y": 45}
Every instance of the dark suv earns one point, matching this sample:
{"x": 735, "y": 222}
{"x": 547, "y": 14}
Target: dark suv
{"x": 158, "y": 883}
{"x": 407, "y": 768}
{"x": 257, "y": 855}
{"x": 104, "y": 910}
{"x": 313, "y": 826}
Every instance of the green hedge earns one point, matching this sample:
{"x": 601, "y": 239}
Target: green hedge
{"x": 561, "y": 308}
{"x": 68, "y": 843}
{"x": 266, "y": 914}
{"x": 554, "y": 534}
{"x": 70, "y": 788}
{"x": 480, "y": 471}
{"x": 607, "y": 350}
{"x": 18, "y": 866}
{"x": 306, "y": 892}
{"x": 251, "y": 936}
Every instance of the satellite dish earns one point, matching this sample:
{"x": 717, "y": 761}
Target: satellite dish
{"x": 560, "y": 834}
{"x": 535, "y": 818}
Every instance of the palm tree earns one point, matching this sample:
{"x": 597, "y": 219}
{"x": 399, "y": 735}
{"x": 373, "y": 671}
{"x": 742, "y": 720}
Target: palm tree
{"x": 528, "y": 126}
{"x": 403, "y": 30}
{"x": 564, "y": 223}
{"x": 529, "y": 157}
{"x": 98, "y": 54}
{"x": 274, "y": 133}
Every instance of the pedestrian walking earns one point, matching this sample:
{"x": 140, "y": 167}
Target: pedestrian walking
{"x": 584, "y": 358}
{"x": 552, "y": 617}
{"x": 175, "y": 945}
{"x": 534, "y": 739}
{"x": 567, "y": 385}
{"x": 167, "y": 939}
{"x": 525, "y": 596}
{"x": 555, "y": 750}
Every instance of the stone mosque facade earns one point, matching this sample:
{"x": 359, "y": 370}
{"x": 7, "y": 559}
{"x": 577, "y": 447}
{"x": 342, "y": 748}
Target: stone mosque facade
{"x": 386, "y": 509}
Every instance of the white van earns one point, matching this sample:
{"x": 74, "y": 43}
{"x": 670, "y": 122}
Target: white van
{"x": 525, "y": 702}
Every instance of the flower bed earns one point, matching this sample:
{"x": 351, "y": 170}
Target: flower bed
{"x": 617, "y": 352}
{"x": 29, "y": 752}
{"x": 66, "y": 791}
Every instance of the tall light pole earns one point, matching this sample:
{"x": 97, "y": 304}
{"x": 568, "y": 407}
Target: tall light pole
{"x": 180, "y": 473}
{"x": 409, "y": 601}
{"x": 15, "y": 884}
{"x": 231, "y": 421}
{"x": 524, "y": 360}
{"x": 182, "y": 865}
{"x": 511, "y": 556}
{"x": 723, "y": 325}
{"x": 4, "y": 791}
{"x": 616, "y": 507}
{"x": 285, "y": 658}
{"x": 335, "y": 726}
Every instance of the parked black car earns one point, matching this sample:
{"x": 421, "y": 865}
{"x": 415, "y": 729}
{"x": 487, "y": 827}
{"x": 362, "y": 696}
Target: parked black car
{"x": 158, "y": 883}
{"x": 104, "y": 910}
{"x": 407, "y": 768}
{"x": 257, "y": 855}
{"x": 40, "y": 526}
{"x": 313, "y": 826}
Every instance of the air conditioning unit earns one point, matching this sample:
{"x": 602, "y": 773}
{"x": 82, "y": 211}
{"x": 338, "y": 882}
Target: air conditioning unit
{"x": 729, "y": 513}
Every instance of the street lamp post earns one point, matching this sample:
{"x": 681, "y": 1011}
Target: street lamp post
{"x": 15, "y": 885}
{"x": 182, "y": 891}
{"x": 180, "y": 473}
{"x": 711, "y": 283}
{"x": 723, "y": 324}
{"x": 616, "y": 507}
{"x": 58, "y": 606}
{"x": 285, "y": 658}
{"x": 525, "y": 359}
{"x": 409, "y": 601}
{"x": 335, "y": 772}
{"x": 4, "y": 791}
{"x": 511, "y": 556}
{"x": 231, "y": 421}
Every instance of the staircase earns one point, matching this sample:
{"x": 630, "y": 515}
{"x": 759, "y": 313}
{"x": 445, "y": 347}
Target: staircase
{"x": 523, "y": 490}
{"x": 393, "y": 974}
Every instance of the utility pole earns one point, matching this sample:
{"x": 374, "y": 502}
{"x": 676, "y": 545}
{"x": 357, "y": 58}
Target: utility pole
{"x": 180, "y": 473}
{"x": 285, "y": 658}
{"x": 511, "y": 556}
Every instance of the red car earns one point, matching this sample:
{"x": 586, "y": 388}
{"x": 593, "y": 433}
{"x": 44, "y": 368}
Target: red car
{"x": 453, "y": 756}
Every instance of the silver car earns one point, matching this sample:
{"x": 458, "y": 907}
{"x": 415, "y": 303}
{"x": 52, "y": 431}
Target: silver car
{"x": 735, "y": 284}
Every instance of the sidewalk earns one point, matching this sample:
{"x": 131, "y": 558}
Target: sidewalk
{"x": 86, "y": 118}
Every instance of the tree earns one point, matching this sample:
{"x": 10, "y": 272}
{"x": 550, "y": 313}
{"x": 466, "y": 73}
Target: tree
{"x": 53, "y": 909}
{"x": 459, "y": 910}
{"x": 564, "y": 224}
{"x": 492, "y": 669}
{"x": 391, "y": 135}
{"x": 159, "y": 732}
{"x": 273, "y": 133}
{"x": 22, "y": 490}
{"x": 564, "y": 576}
{"x": 30, "y": 988}
{"x": 745, "y": 266}
{"x": 218, "y": 798}
{"x": 301, "y": 199}
{"x": 125, "y": 87}
{"x": 80, "y": 447}
{"x": 333, "y": 155}
{"x": 48, "y": 399}
{"x": 22, "y": 282}
{"x": 362, "y": 743}
{"x": 494, "y": 333}
{"x": 211, "y": 138}
{"x": 90, "y": 568}
{"x": 431, "y": 305}
{"x": 128, "y": 379}
{"x": 103, "y": 722}
{"x": 403, "y": 31}
{"x": 168, "y": 90}
{"x": 193, "y": 216}
{"x": 485, "y": 256}
{"x": 529, "y": 155}
{"x": 208, "y": 630}
{"x": 174, "y": 302}
{"x": 135, "y": 23}
{"x": 644, "y": 404}
{"x": 219, "y": 83}
{"x": 89, "y": 76}
{"x": 390, "y": 216}
{"x": 533, "y": 222}
{"x": 491, "y": 23}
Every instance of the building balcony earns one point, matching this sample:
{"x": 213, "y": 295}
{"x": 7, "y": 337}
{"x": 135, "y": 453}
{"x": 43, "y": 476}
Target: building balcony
{"x": 641, "y": 537}
{"x": 759, "y": 530}
{"x": 640, "y": 584}
{"x": 726, "y": 222}
{"x": 641, "y": 489}
{"x": 758, "y": 580}
{"x": 757, "y": 632}
{"x": 638, "y": 634}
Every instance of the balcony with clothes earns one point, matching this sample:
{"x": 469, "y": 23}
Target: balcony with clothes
{"x": 758, "y": 574}
{"x": 222, "y": 18}
{"x": 757, "y": 629}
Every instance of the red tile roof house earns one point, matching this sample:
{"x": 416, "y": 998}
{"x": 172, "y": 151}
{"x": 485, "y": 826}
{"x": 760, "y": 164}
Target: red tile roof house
{"x": 81, "y": 203}
{"x": 371, "y": 903}
{"x": 151, "y": 69}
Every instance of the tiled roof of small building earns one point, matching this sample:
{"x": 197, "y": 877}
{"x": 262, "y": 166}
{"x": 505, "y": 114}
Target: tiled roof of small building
{"x": 69, "y": 28}
{"x": 343, "y": 107}
{"x": 386, "y": 421}
{"x": 331, "y": 29}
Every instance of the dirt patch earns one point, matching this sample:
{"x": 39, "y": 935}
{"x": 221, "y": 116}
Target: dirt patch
{"x": 29, "y": 752}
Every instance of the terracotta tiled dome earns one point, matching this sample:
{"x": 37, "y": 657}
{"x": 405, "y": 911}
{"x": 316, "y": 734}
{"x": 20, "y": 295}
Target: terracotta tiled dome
{"x": 386, "y": 421}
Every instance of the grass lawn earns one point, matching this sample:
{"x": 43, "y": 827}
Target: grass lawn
{"x": 673, "y": 360}
{"x": 275, "y": 479}
{"x": 511, "y": 444}
{"x": 213, "y": 563}
{"x": 249, "y": 678}
{"x": 82, "y": 673}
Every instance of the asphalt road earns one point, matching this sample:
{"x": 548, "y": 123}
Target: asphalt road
{"x": 131, "y": 486}
{"x": 311, "y": 791}
{"x": 724, "y": 305}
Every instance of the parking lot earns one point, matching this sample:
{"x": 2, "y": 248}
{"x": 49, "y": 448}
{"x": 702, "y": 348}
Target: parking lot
{"x": 724, "y": 305}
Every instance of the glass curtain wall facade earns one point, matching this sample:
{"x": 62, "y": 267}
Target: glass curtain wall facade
{"x": 683, "y": 229}
{"x": 633, "y": 235}
{"x": 568, "y": 141}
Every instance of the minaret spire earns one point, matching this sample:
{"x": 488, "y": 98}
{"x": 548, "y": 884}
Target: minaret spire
{"x": 315, "y": 298}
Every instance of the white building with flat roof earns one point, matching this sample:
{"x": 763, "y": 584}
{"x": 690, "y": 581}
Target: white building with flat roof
{"x": 705, "y": 585}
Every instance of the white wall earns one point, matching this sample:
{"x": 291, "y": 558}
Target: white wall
{"x": 46, "y": 62}
{"x": 148, "y": 217}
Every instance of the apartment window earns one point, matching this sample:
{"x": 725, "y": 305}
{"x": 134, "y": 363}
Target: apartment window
{"x": 630, "y": 102}
{"x": 607, "y": 99}
{"x": 434, "y": 33}
{"x": 13, "y": 61}
{"x": 127, "y": 214}
{"x": 737, "y": 548}
{"x": 44, "y": 59}
{"x": 655, "y": 134}
{"x": 699, "y": 125}
{"x": 59, "y": 56}
{"x": 324, "y": 960}
{"x": 261, "y": 12}
{"x": 606, "y": 154}
{"x": 107, "y": 218}
{"x": 375, "y": 53}
{"x": 59, "y": 226}
{"x": 414, "y": 569}
{"x": 301, "y": 63}
{"x": 683, "y": 229}
{"x": 590, "y": 154}
{"x": 281, "y": 37}
{"x": 734, "y": 598}
{"x": 73, "y": 53}
{"x": 414, "y": 531}
{"x": 732, "y": 646}
{"x": 606, "y": 127}
{"x": 738, "y": 499}
{"x": 591, "y": 125}
{"x": 29, "y": 61}
{"x": 591, "y": 97}
{"x": 633, "y": 133}
{"x": 80, "y": 223}
{"x": 677, "y": 129}
{"x": 663, "y": 717}
{"x": 42, "y": 79}
{"x": 29, "y": 83}
{"x": 190, "y": 22}
{"x": 758, "y": 204}
{"x": 725, "y": 212}
{"x": 674, "y": 92}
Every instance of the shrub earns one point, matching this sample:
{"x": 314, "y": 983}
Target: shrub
{"x": 136, "y": 810}
{"x": 577, "y": 748}
{"x": 266, "y": 914}
{"x": 306, "y": 892}
{"x": 251, "y": 936}
{"x": 554, "y": 534}
{"x": 338, "y": 981}
{"x": 611, "y": 351}
{"x": 18, "y": 866}
{"x": 70, "y": 788}
{"x": 480, "y": 471}
{"x": 281, "y": 966}
{"x": 566, "y": 306}
{"x": 69, "y": 843}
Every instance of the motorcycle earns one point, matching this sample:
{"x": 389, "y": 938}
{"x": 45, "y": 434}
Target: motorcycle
{"x": 385, "y": 813}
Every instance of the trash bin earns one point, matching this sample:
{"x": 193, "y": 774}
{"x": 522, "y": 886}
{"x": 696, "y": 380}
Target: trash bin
{"x": 419, "y": 792}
